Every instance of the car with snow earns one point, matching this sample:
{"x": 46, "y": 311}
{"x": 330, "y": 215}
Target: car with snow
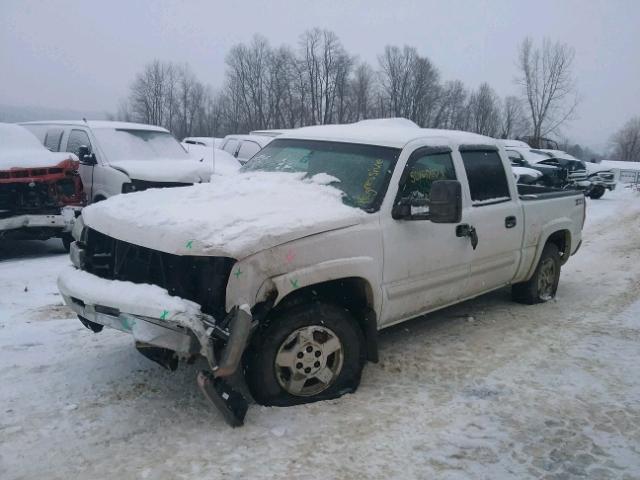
{"x": 121, "y": 157}
{"x": 243, "y": 147}
{"x": 282, "y": 275}
{"x": 40, "y": 191}
{"x": 202, "y": 141}
{"x": 560, "y": 173}
{"x": 600, "y": 177}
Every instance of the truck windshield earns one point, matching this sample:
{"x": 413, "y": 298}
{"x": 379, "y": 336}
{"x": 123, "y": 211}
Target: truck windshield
{"x": 121, "y": 144}
{"x": 362, "y": 172}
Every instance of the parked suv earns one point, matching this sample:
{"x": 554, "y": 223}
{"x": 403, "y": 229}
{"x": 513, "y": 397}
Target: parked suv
{"x": 120, "y": 157}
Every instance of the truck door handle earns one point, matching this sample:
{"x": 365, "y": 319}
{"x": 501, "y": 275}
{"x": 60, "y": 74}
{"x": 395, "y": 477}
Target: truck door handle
{"x": 510, "y": 222}
{"x": 466, "y": 230}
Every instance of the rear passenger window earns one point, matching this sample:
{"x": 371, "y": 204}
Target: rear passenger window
{"x": 486, "y": 175}
{"x": 231, "y": 146}
{"x": 423, "y": 168}
{"x": 52, "y": 139}
{"x": 248, "y": 149}
{"x": 77, "y": 138}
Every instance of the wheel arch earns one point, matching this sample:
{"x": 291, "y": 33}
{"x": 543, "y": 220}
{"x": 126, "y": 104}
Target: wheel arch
{"x": 353, "y": 293}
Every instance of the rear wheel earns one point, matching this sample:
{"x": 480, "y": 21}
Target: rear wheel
{"x": 596, "y": 192}
{"x": 542, "y": 286}
{"x": 67, "y": 239}
{"x": 304, "y": 354}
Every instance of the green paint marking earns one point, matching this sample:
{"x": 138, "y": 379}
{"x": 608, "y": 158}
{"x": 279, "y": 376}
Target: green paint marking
{"x": 163, "y": 315}
{"x": 189, "y": 244}
{"x": 238, "y": 272}
{"x": 294, "y": 283}
{"x": 128, "y": 323}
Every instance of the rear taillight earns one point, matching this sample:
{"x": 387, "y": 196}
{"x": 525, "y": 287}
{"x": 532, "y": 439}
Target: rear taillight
{"x": 584, "y": 210}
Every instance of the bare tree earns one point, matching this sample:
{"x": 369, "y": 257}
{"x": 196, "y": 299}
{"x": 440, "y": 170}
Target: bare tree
{"x": 484, "y": 111}
{"x": 514, "y": 121}
{"x": 548, "y": 86}
{"x": 148, "y": 98}
{"x": 451, "y": 110}
{"x": 326, "y": 67}
{"x": 410, "y": 84}
{"x": 626, "y": 141}
{"x": 362, "y": 86}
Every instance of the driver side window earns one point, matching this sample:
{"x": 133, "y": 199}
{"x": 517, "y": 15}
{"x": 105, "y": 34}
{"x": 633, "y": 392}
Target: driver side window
{"x": 423, "y": 168}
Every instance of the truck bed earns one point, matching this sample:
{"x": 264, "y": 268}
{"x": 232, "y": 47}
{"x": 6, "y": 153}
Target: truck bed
{"x": 536, "y": 192}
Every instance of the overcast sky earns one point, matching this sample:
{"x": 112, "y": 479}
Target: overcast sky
{"x": 83, "y": 55}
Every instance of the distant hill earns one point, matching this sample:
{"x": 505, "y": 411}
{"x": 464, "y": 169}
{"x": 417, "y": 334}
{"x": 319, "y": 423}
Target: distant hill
{"x": 10, "y": 114}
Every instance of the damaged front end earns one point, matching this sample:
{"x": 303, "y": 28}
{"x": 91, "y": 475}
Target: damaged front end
{"x": 39, "y": 203}
{"x": 174, "y": 306}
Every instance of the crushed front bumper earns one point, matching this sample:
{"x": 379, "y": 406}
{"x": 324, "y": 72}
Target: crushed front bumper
{"x": 158, "y": 320}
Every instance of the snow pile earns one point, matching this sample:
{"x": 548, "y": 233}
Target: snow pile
{"x": 232, "y": 216}
{"x": 387, "y": 122}
{"x": 519, "y": 171}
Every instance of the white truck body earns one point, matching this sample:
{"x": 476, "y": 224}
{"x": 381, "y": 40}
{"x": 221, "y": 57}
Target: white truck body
{"x": 286, "y": 233}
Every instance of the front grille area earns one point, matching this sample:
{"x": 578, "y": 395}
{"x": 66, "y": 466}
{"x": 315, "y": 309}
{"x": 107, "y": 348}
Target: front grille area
{"x": 577, "y": 175}
{"x": 200, "y": 279}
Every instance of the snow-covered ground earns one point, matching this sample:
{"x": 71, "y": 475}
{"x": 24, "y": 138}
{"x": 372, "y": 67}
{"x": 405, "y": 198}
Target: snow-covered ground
{"x": 487, "y": 389}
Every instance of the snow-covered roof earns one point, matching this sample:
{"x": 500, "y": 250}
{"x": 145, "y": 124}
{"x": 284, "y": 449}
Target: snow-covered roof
{"x": 100, "y": 124}
{"x": 620, "y": 165}
{"x": 260, "y": 139}
{"x": 507, "y": 142}
{"x": 396, "y": 136}
{"x": 19, "y": 148}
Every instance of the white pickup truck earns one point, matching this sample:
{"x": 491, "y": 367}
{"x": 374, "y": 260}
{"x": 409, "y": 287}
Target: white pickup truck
{"x": 329, "y": 234}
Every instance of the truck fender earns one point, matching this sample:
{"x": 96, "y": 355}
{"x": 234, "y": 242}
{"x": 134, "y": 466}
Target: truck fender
{"x": 557, "y": 225}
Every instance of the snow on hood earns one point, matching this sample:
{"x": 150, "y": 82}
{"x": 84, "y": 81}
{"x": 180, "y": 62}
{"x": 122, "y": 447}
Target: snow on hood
{"x": 232, "y": 216}
{"x": 32, "y": 158}
{"x": 596, "y": 168}
{"x": 519, "y": 171}
{"x": 185, "y": 171}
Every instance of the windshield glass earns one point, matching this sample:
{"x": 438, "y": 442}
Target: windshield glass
{"x": 121, "y": 144}
{"x": 362, "y": 172}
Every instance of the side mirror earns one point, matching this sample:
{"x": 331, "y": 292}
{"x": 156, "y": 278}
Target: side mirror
{"x": 404, "y": 209}
{"x": 445, "y": 205}
{"x": 85, "y": 155}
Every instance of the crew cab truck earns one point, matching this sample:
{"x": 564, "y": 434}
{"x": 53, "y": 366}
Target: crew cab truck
{"x": 285, "y": 272}
{"x": 121, "y": 157}
{"x": 40, "y": 192}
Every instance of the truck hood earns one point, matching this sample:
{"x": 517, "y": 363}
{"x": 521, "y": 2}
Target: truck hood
{"x": 32, "y": 158}
{"x": 232, "y": 216}
{"x": 184, "y": 171}
{"x": 595, "y": 168}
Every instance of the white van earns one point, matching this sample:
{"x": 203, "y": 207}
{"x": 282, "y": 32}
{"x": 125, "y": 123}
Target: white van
{"x": 121, "y": 157}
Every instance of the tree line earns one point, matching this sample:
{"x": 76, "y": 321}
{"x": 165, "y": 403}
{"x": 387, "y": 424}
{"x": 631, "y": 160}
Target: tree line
{"x": 318, "y": 82}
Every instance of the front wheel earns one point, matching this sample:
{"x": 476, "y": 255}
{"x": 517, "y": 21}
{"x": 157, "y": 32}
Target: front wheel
{"x": 542, "y": 286}
{"x": 596, "y": 192}
{"x": 304, "y": 354}
{"x": 67, "y": 239}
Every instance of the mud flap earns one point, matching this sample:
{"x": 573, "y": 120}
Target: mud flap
{"x": 229, "y": 402}
{"x": 94, "y": 327}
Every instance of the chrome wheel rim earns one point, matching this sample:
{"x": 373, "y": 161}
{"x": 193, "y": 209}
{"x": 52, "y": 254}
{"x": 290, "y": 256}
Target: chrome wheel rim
{"x": 546, "y": 279}
{"x": 309, "y": 361}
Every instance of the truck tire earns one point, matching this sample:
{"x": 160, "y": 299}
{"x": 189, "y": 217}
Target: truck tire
{"x": 67, "y": 239}
{"x": 542, "y": 286}
{"x": 304, "y": 354}
{"x": 596, "y": 192}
